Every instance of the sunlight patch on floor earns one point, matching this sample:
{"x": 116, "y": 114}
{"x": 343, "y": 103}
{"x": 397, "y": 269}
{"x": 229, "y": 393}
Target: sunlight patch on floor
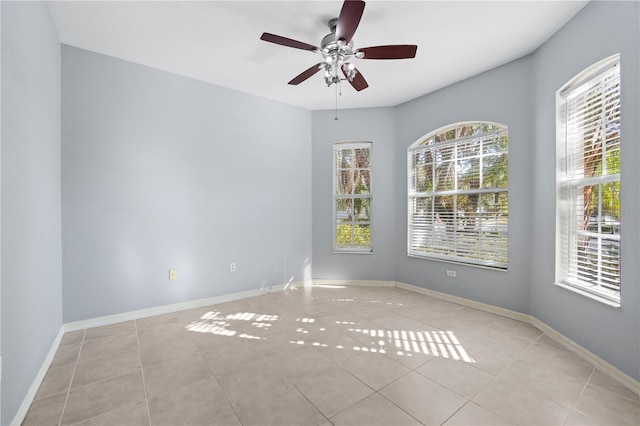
{"x": 407, "y": 343}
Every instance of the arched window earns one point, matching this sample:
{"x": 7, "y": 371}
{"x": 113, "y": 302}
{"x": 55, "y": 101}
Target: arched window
{"x": 588, "y": 182}
{"x": 458, "y": 195}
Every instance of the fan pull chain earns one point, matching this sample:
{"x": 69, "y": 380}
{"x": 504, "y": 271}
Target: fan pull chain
{"x": 338, "y": 91}
{"x": 336, "y": 117}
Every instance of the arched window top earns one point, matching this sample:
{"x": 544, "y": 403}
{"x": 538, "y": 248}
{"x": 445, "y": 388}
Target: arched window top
{"x": 458, "y": 131}
{"x": 458, "y": 195}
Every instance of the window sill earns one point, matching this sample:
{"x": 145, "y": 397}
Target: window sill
{"x": 454, "y": 262}
{"x": 592, "y": 296}
{"x": 352, "y": 252}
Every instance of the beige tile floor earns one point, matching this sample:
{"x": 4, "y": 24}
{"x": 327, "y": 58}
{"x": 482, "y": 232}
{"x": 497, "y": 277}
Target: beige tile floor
{"x": 323, "y": 356}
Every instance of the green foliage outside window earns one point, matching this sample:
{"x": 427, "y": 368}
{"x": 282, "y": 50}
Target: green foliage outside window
{"x": 352, "y": 199}
{"x": 353, "y": 235}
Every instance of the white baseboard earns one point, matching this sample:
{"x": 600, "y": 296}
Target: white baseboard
{"x": 602, "y": 365}
{"x": 466, "y": 302}
{"x": 599, "y": 363}
{"x": 35, "y": 385}
{"x": 126, "y": 316}
{"x": 167, "y": 309}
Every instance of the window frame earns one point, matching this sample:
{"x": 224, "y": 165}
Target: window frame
{"x": 413, "y": 194}
{"x": 353, "y": 248}
{"x": 567, "y": 190}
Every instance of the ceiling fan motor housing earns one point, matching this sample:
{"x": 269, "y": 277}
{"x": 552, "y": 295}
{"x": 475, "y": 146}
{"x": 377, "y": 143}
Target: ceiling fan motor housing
{"x": 336, "y": 54}
{"x": 331, "y": 45}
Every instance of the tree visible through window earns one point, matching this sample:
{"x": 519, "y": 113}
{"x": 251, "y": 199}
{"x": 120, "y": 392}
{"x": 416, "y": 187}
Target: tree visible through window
{"x": 458, "y": 195}
{"x": 588, "y": 181}
{"x": 352, "y": 197}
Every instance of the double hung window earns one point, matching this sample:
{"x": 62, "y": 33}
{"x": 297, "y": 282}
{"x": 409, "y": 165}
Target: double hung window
{"x": 352, "y": 197}
{"x": 588, "y": 182}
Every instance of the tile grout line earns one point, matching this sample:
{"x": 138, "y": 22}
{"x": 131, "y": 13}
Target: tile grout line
{"x": 397, "y": 406}
{"x": 102, "y": 414}
{"x": 104, "y": 380}
{"x": 109, "y": 335}
{"x": 144, "y": 384}
{"x": 346, "y": 408}
{"x": 468, "y": 399}
{"x": 586, "y": 383}
{"x": 199, "y": 351}
{"x": 428, "y": 378}
{"x": 104, "y": 356}
{"x": 635, "y": 401}
{"x": 302, "y": 394}
{"x": 99, "y": 357}
{"x": 377, "y": 391}
{"x": 458, "y": 410}
{"x": 495, "y": 377}
{"x": 572, "y": 408}
{"x": 584, "y": 387}
{"x": 521, "y": 352}
{"x": 98, "y": 381}
{"x": 334, "y": 364}
{"x": 75, "y": 366}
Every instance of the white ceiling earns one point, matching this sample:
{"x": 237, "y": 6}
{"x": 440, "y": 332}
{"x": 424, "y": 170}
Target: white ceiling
{"x": 219, "y": 41}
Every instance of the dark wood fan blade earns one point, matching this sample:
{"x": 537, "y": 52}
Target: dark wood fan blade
{"x": 358, "y": 83}
{"x": 305, "y": 74}
{"x": 284, "y": 41}
{"x": 349, "y": 19}
{"x": 396, "y": 51}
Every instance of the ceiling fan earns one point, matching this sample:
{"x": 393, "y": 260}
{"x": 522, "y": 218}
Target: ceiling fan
{"x": 337, "y": 49}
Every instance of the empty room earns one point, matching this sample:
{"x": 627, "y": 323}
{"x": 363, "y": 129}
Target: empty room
{"x": 320, "y": 212}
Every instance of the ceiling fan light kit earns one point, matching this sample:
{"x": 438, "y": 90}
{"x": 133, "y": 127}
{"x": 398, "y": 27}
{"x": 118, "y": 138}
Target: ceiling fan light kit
{"x": 337, "y": 49}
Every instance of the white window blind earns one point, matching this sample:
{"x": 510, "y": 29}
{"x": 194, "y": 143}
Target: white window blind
{"x": 588, "y": 182}
{"x": 458, "y": 195}
{"x": 352, "y": 197}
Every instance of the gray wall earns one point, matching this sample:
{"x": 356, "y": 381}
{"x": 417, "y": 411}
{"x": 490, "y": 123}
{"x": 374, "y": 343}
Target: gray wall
{"x": 501, "y": 95}
{"x": 600, "y": 30}
{"x": 31, "y": 276}
{"x": 521, "y": 95}
{"x": 160, "y": 172}
{"x": 376, "y": 125}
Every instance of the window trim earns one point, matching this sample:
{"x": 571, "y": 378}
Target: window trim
{"x": 421, "y": 144}
{"x": 561, "y": 277}
{"x": 345, "y": 249}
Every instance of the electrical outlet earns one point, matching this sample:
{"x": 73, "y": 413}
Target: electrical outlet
{"x": 451, "y": 274}
{"x": 173, "y": 274}
{"x": 232, "y": 267}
